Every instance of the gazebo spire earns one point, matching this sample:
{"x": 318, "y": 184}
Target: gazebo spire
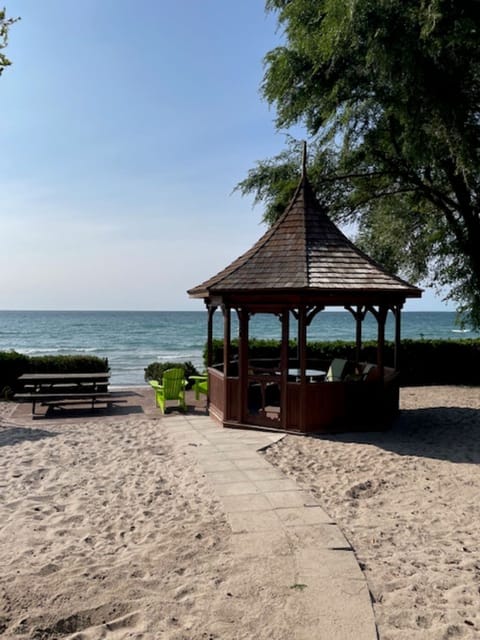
{"x": 304, "y": 160}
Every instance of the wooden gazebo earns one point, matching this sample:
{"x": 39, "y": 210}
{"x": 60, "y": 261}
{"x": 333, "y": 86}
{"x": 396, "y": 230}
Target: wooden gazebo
{"x": 301, "y": 265}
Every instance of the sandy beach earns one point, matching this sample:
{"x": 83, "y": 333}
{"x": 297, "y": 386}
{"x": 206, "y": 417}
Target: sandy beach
{"x": 108, "y": 529}
{"x": 407, "y": 500}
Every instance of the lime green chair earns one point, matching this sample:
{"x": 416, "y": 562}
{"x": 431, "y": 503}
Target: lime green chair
{"x": 172, "y": 388}
{"x": 200, "y": 385}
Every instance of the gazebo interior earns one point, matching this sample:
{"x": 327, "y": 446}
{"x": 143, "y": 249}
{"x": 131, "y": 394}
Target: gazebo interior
{"x": 300, "y": 266}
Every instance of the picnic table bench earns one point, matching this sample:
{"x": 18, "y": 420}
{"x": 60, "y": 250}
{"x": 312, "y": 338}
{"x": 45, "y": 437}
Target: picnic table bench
{"x": 60, "y": 389}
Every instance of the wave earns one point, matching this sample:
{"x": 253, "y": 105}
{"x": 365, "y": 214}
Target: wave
{"x": 54, "y": 350}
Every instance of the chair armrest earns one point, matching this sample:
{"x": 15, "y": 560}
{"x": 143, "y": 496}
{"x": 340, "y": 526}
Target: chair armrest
{"x": 200, "y": 385}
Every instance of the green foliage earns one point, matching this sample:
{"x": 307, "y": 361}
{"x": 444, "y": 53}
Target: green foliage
{"x": 390, "y": 94}
{"x": 274, "y": 182}
{"x": 154, "y": 371}
{"x": 423, "y": 362}
{"x": 67, "y": 364}
{"x": 13, "y": 365}
{"x": 5, "y": 24}
{"x": 440, "y": 362}
{"x": 259, "y": 349}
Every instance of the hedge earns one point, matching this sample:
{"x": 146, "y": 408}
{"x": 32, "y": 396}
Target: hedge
{"x": 154, "y": 371}
{"x": 13, "y": 365}
{"x": 422, "y": 362}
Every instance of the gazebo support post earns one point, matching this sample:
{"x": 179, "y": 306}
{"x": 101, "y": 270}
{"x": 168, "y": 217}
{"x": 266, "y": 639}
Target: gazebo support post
{"x": 358, "y": 336}
{"x": 226, "y": 356}
{"x": 359, "y": 314}
{"x": 302, "y": 347}
{"x": 381, "y": 316}
{"x": 397, "y": 312}
{"x": 211, "y": 310}
{"x": 284, "y": 367}
{"x": 226, "y": 338}
{"x": 294, "y": 313}
{"x": 243, "y": 362}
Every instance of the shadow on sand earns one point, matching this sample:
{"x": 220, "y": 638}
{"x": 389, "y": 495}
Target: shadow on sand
{"x": 61, "y": 413}
{"x": 443, "y": 433}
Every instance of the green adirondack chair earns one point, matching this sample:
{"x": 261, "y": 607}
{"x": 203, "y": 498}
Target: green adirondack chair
{"x": 172, "y": 388}
{"x": 200, "y": 385}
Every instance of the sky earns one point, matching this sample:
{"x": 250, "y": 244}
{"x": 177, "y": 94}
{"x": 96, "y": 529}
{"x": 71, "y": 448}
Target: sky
{"x": 125, "y": 128}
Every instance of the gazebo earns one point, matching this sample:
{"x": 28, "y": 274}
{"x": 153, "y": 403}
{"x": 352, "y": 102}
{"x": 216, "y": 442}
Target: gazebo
{"x": 300, "y": 266}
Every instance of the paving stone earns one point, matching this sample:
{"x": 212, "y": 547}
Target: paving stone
{"x": 249, "y": 502}
{"x": 297, "y": 516}
{"x": 344, "y": 616}
{"x": 276, "y": 484}
{"x": 257, "y": 544}
{"x": 321, "y": 536}
{"x": 236, "y": 488}
{"x": 285, "y": 499}
{"x": 263, "y": 474}
{"x": 255, "y": 462}
{"x": 248, "y": 521}
{"x": 222, "y": 477}
{"x": 214, "y": 464}
{"x": 327, "y": 565}
{"x": 240, "y": 453}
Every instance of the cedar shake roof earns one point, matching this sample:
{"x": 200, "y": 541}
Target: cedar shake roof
{"x": 304, "y": 251}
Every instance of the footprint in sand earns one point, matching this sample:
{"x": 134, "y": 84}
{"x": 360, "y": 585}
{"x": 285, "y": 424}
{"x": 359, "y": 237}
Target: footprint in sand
{"x": 91, "y": 623}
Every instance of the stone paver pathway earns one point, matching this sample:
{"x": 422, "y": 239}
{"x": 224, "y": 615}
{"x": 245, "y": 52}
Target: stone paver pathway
{"x": 272, "y": 519}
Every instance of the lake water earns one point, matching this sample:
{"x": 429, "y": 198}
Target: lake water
{"x": 133, "y": 339}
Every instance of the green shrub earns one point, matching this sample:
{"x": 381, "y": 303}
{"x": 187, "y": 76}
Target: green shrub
{"x": 13, "y": 365}
{"x": 67, "y": 364}
{"x": 154, "y": 371}
{"x": 422, "y": 362}
{"x": 259, "y": 349}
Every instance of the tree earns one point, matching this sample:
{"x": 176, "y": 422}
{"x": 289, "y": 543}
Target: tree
{"x": 390, "y": 93}
{"x": 5, "y": 24}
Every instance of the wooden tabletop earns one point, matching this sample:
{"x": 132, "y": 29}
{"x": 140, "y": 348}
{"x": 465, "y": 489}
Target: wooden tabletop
{"x": 64, "y": 377}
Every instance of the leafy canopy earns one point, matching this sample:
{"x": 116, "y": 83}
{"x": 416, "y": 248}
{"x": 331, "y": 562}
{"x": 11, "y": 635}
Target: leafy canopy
{"x": 5, "y": 24}
{"x": 389, "y": 93}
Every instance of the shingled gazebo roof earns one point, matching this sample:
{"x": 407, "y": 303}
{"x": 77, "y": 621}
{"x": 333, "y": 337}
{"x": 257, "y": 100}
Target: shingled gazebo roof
{"x": 305, "y": 254}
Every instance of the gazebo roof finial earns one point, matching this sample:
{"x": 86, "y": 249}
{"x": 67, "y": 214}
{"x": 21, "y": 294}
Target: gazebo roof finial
{"x": 304, "y": 159}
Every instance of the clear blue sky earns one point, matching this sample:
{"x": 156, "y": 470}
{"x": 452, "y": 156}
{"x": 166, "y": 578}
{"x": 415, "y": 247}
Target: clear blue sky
{"x": 125, "y": 127}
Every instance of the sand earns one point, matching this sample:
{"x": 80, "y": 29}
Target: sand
{"x": 103, "y": 525}
{"x": 408, "y": 502}
{"x": 109, "y": 530}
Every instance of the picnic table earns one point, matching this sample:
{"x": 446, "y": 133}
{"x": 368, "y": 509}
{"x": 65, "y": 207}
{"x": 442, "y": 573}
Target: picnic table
{"x": 59, "y": 389}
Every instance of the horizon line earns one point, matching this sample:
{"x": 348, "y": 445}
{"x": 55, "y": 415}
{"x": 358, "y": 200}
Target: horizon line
{"x": 328, "y": 310}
